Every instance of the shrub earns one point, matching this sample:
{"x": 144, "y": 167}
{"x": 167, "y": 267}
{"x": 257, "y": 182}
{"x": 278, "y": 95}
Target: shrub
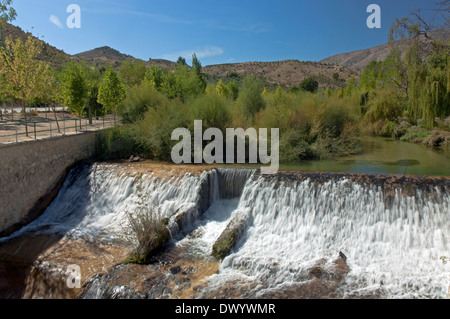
{"x": 212, "y": 109}
{"x": 147, "y": 231}
{"x": 139, "y": 100}
{"x": 154, "y": 133}
{"x": 309, "y": 85}
{"x": 250, "y": 98}
{"x": 387, "y": 105}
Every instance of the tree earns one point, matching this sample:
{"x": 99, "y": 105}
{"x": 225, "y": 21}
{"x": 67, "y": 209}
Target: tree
{"x": 155, "y": 76}
{"x": 181, "y": 61}
{"x": 196, "y": 65}
{"x": 75, "y": 88}
{"x": 221, "y": 89}
{"x": 133, "y": 73}
{"x": 51, "y": 91}
{"x": 423, "y": 73}
{"x": 7, "y": 14}
{"x": 250, "y": 98}
{"x": 233, "y": 90}
{"x": 111, "y": 92}
{"x": 21, "y": 71}
{"x": 309, "y": 84}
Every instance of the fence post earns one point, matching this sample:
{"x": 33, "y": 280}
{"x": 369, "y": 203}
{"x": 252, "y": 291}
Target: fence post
{"x": 64, "y": 120}
{"x": 76, "y": 126}
{"x": 17, "y": 137}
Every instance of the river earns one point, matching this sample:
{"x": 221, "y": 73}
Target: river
{"x": 306, "y": 235}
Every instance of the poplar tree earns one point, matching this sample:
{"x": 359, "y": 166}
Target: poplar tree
{"x": 111, "y": 92}
{"x": 75, "y": 89}
{"x": 22, "y": 73}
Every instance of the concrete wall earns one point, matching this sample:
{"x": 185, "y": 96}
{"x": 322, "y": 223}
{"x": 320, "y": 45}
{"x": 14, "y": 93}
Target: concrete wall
{"x": 31, "y": 174}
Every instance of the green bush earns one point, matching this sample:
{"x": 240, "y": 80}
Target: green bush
{"x": 212, "y": 109}
{"x": 154, "y": 133}
{"x": 250, "y": 98}
{"x": 139, "y": 100}
{"x": 309, "y": 85}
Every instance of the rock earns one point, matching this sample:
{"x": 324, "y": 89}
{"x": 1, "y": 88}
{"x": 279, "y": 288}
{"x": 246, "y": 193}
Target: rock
{"x": 230, "y": 236}
{"x": 175, "y": 270}
{"x": 316, "y": 272}
{"x": 437, "y": 138}
{"x": 134, "y": 159}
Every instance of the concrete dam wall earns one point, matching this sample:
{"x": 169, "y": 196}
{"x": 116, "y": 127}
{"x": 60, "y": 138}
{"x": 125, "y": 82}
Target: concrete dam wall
{"x": 31, "y": 174}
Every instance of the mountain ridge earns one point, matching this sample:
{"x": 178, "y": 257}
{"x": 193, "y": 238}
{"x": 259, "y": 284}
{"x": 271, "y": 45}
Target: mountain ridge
{"x": 332, "y": 72}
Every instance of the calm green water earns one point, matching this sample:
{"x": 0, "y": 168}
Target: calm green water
{"x": 384, "y": 156}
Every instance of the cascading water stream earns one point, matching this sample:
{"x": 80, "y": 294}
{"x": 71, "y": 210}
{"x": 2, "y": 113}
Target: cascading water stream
{"x": 296, "y": 225}
{"x": 94, "y": 201}
{"x": 293, "y": 226}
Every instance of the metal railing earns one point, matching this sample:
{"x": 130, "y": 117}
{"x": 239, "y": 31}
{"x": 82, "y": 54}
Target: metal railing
{"x": 18, "y": 131}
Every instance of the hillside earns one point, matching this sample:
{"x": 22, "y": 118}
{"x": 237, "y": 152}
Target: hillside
{"x": 331, "y": 72}
{"x": 108, "y": 56}
{"x": 286, "y": 73}
{"x": 49, "y": 53}
{"x": 358, "y": 60}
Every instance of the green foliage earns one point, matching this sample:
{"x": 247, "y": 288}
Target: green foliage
{"x": 75, "y": 88}
{"x": 415, "y": 135}
{"x": 154, "y": 132}
{"x": 196, "y": 65}
{"x": 111, "y": 91}
{"x": 385, "y": 105}
{"x": 155, "y": 76}
{"x": 250, "y": 98}
{"x": 92, "y": 102}
{"x": 309, "y": 85}
{"x": 138, "y": 101}
{"x": 213, "y": 109}
{"x": 7, "y": 13}
{"x": 117, "y": 143}
{"x": 232, "y": 90}
{"x": 133, "y": 73}
{"x": 181, "y": 61}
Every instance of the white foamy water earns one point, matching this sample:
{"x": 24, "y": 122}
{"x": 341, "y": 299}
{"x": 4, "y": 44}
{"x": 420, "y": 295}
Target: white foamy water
{"x": 94, "y": 201}
{"x": 390, "y": 249}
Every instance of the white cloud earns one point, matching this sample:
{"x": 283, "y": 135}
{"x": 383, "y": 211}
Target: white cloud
{"x": 202, "y": 52}
{"x": 54, "y": 19}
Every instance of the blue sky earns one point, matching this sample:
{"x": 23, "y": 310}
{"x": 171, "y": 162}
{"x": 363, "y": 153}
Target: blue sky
{"x": 226, "y": 31}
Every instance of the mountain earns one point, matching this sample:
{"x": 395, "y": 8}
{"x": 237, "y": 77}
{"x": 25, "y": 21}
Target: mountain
{"x": 331, "y": 72}
{"x": 108, "y": 56}
{"x": 104, "y": 55}
{"x": 287, "y": 73}
{"x": 49, "y": 53}
{"x": 358, "y": 60}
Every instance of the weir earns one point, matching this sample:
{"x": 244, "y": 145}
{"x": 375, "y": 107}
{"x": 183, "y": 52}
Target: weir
{"x": 290, "y": 229}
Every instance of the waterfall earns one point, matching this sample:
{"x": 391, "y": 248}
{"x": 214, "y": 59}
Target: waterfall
{"x": 392, "y": 238}
{"x": 94, "y": 201}
{"x": 391, "y": 247}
